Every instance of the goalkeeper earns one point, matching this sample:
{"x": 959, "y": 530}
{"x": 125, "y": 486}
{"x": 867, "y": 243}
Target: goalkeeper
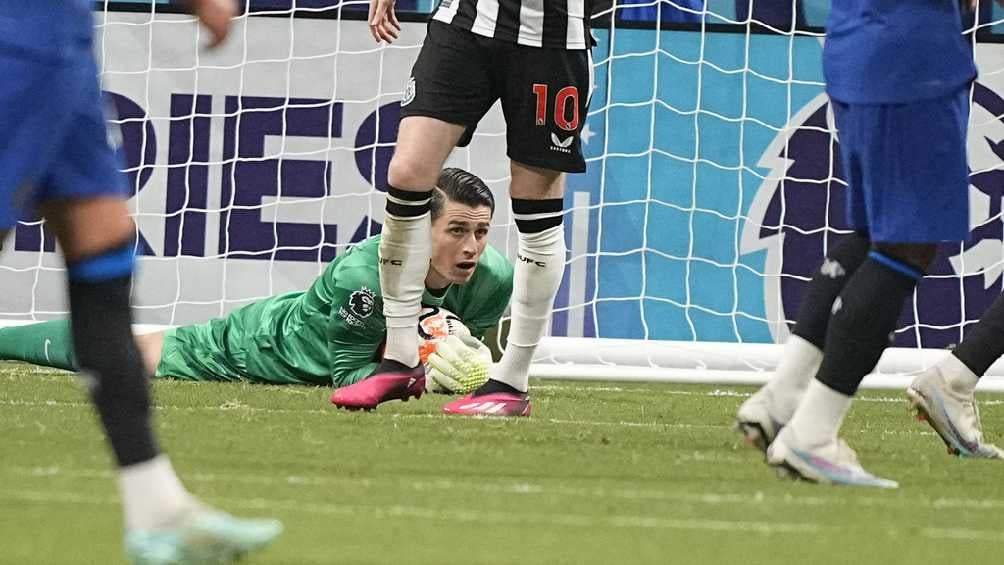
{"x": 332, "y": 333}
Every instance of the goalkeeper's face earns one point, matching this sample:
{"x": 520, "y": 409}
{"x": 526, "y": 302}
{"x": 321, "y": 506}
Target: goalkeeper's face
{"x": 459, "y": 236}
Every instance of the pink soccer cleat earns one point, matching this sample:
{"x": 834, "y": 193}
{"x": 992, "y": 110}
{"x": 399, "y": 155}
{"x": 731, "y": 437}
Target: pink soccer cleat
{"x": 381, "y": 387}
{"x": 491, "y": 404}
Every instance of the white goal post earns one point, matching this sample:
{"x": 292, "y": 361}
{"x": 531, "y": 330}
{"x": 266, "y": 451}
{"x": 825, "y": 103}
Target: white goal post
{"x": 711, "y": 191}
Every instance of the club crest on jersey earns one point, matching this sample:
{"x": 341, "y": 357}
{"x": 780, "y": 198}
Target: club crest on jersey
{"x": 561, "y": 145}
{"x": 799, "y": 213}
{"x": 409, "y": 92}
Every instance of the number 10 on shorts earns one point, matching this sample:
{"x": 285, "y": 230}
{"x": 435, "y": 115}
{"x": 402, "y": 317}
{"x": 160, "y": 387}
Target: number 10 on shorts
{"x": 568, "y": 95}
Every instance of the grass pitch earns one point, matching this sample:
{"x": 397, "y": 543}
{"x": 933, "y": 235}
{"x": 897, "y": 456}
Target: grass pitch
{"x": 601, "y": 473}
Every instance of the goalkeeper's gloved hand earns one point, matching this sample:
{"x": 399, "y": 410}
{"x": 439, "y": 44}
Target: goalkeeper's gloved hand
{"x": 458, "y": 366}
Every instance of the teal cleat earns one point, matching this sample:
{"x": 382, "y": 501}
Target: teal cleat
{"x": 833, "y": 463}
{"x": 203, "y": 536}
{"x": 949, "y": 406}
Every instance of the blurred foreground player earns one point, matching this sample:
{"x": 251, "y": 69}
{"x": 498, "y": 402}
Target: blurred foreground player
{"x": 534, "y": 58}
{"x": 898, "y": 74}
{"x": 55, "y": 160}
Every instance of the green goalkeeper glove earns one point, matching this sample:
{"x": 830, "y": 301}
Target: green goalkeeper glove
{"x": 459, "y": 365}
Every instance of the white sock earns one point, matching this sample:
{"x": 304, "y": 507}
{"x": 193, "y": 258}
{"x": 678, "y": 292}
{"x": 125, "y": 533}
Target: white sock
{"x": 152, "y": 495}
{"x": 539, "y": 268}
{"x": 960, "y": 377}
{"x": 405, "y": 250}
{"x": 798, "y": 365}
{"x": 819, "y": 415}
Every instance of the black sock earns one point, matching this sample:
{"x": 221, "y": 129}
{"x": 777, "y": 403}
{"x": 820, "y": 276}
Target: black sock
{"x": 391, "y": 366}
{"x": 838, "y": 267}
{"x": 984, "y": 342}
{"x": 101, "y": 323}
{"x": 863, "y": 317}
{"x": 492, "y": 386}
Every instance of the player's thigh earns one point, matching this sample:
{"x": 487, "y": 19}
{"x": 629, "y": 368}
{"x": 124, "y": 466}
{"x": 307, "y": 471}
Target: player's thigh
{"x": 535, "y": 183}
{"x": 423, "y": 145}
{"x": 545, "y": 99}
{"x": 914, "y": 173}
{"x": 36, "y": 106}
{"x": 89, "y": 225}
{"x": 450, "y": 82}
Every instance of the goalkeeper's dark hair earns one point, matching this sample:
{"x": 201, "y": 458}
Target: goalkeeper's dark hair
{"x": 457, "y": 185}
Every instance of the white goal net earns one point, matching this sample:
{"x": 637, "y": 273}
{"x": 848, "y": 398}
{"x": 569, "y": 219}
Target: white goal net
{"x": 712, "y": 192}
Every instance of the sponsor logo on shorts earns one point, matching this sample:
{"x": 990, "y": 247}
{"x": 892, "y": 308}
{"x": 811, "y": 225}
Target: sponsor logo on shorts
{"x": 561, "y": 145}
{"x": 409, "y": 92}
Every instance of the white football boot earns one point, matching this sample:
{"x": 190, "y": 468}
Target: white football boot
{"x": 754, "y": 421}
{"x": 831, "y": 463}
{"x": 200, "y": 536}
{"x": 943, "y": 397}
{"x": 761, "y": 417}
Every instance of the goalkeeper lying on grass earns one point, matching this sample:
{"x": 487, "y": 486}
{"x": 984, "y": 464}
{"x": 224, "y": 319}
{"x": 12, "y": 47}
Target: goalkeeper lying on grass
{"x": 332, "y": 333}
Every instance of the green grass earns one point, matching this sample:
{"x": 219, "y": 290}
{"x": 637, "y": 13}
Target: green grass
{"x": 602, "y": 473}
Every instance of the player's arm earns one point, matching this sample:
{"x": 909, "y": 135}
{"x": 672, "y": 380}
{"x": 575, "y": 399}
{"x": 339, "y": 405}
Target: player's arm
{"x": 355, "y": 332}
{"x": 383, "y": 21}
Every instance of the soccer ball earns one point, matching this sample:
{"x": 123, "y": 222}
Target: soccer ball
{"x": 435, "y": 324}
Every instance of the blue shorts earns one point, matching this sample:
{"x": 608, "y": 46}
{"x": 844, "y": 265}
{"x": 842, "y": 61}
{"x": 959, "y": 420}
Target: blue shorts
{"x": 54, "y": 142}
{"x": 906, "y": 170}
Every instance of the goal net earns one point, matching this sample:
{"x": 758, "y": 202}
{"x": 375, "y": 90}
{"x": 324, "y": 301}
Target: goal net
{"x": 712, "y": 192}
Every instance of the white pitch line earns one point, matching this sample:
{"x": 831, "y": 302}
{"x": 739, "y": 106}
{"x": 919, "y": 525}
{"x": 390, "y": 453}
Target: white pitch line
{"x": 238, "y": 407}
{"x": 458, "y": 515}
{"x": 509, "y": 518}
{"x": 757, "y": 498}
{"x": 963, "y": 534}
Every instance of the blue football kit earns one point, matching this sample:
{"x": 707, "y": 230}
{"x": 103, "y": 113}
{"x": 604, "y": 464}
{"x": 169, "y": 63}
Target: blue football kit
{"x": 898, "y": 74}
{"x": 54, "y": 137}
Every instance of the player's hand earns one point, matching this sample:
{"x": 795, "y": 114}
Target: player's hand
{"x": 383, "y": 21}
{"x": 215, "y": 15}
{"x": 458, "y": 366}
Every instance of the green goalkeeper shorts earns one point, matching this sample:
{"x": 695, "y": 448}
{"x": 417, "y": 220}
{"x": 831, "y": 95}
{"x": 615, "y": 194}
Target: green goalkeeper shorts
{"x": 198, "y": 353}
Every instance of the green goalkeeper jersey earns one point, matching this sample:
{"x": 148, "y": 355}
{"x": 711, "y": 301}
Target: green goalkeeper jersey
{"x": 331, "y": 333}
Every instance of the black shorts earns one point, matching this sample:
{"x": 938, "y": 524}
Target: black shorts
{"x": 545, "y": 93}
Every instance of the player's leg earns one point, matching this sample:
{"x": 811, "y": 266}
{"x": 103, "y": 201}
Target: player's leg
{"x": 444, "y": 97}
{"x": 46, "y": 343}
{"x": 545, "y": 101}
{"x": 915, "y": 195}
{"x": 538, "y": 206}
{"x": 449, "y": 92}
{"x": 761, "y": 416}
{"x": 83, "y": 199}
{"x": 423, "y": 144}
{"x": 50, "y": 344}
{"x": 944, "y": 395}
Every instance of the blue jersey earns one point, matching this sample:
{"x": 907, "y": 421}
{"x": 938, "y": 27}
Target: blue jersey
{"x": 895, "y": 51}
{"x": 48, "y": 29}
